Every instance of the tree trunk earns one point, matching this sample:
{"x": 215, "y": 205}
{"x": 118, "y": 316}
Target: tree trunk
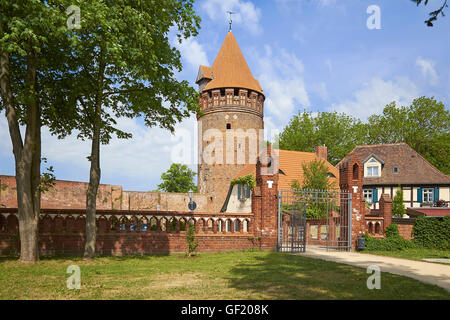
{"x": 95, "y": 173}
{"x": 27, "y": 156}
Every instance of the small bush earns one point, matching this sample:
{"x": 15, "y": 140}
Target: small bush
{"x": 432, "y": 233}
{"x": 391, "y": 230}
{"x": 392, "y": 243}
{"x": 191, "y": 241}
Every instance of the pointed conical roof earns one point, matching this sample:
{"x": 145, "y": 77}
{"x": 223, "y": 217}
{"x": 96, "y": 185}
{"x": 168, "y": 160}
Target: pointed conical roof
{"x": 230, "y": 70}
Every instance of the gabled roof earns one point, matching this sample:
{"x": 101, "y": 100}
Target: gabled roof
{"x": 204, "y": 72}
{"x": 230, "y": 70}
{"x": 412, "y": 167}
{"x": 290, "y": 163}
{"x": 373, "y": 156}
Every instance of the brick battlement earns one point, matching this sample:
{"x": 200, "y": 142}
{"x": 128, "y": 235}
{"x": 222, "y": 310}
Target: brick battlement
{"x": 249, "y": 101}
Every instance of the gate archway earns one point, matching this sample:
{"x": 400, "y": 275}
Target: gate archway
{"x": 314, "y": 217}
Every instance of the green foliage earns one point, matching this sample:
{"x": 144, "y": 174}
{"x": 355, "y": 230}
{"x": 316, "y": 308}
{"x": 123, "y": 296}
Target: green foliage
{"x": 424, "y": 126}
{"x": 392, "y": 243}
{"x": 249, "y": 180}
{"x": 431, "y": 232}
{"x": 315, "y": 176}
{"x": 398, "y": 209}
{"x": 338, "y": 131}
{"x": 191, "y": 240}
{"x": 316, "y": 211}
{"x": 391, "y": 230}
{"x": 179, "y": 178}
{"x": 433, "y": 14}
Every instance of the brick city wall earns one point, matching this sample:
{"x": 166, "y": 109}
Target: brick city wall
{"x": 72, "y": 195}
{"x": 131, "y": 232}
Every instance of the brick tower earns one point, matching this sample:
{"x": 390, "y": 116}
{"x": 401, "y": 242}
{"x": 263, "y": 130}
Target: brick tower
{"x": 230, "y": 123}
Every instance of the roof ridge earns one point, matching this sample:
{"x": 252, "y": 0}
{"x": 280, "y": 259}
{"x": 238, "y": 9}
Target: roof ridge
{"x": 381, "y": 144}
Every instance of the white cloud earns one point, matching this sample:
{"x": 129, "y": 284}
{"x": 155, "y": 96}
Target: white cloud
{"x": 192, "y": 52}
{"x": 376, "y": 94}
{"x": 321, "y": 90}
{"x": 281, "y": 77}
{"x": 428, "y": 70}
{"x": 245, "y": 13}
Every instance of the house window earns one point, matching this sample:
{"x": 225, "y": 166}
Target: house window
{"x": 395, "y": 170}
{"x": 314, "y": 232}
{"x": 428, "y": 194}
{"x": 368, "y": 194}
{"x": 243, "y": 192}
{"x": 372, "y": 171}
{"x": 323, "y": 232}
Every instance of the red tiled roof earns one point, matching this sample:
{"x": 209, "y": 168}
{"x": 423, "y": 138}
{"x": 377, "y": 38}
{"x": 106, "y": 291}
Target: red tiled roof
{"x": 290, "y": 163}
{"x": 413, "y": 168}
{"x": 230, "y": 70}
{"x": 429, "y": 212}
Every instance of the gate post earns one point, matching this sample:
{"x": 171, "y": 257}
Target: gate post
{"x": 265, "y": 200}
{"x": 351, "y": 178}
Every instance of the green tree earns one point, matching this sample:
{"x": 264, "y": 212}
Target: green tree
{"x": 338, "y": 131}
{"x": 315, "y": 176}
{"x": 398, "y": 209}
{"x": 433, "y": 14}
{"x": 424, "y": 126}
{"x": 33, "y": 52}
{"x": 124, "y": 66}
{"x": 191, "y": 240}
{"x": 179, "y": 178}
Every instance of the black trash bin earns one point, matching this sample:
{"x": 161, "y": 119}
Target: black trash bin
{"x": 361, "y": 243}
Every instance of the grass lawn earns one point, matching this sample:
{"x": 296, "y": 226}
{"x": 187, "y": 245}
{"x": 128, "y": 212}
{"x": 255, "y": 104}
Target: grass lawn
{"x": 414, "y": 254}
{"x": 232, "y": 275}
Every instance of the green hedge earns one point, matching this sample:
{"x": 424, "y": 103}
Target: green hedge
{"x": 432, "y": 233}
{"x": 392, "y": 243}
{"x": 392, "y": 230}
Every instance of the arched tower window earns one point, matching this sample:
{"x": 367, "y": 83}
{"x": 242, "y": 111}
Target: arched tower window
{"x": 355, "y": 172}
{"x": 228, "y": 126}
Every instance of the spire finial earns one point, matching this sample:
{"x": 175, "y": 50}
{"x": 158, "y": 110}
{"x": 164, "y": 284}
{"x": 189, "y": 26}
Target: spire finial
{"x": 230, "y": 21}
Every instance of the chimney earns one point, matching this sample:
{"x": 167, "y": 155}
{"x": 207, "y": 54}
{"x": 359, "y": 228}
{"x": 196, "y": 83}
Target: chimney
{"x": 322, "y": 152}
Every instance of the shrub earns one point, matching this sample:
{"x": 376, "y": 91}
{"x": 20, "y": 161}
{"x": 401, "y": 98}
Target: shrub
{"x": 398, "y": 209}
{"x": 392, "y": 243}
{"x": 432, "y": 233}
{"x": 191, "y": 241}
{"x": 391, "y": 230}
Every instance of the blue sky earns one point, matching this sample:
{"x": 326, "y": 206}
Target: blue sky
{"x": 315, "y": 55}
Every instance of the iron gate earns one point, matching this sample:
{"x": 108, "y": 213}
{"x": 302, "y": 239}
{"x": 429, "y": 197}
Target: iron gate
{"x": 314, "y": 217}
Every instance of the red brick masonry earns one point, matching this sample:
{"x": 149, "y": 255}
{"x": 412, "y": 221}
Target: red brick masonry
{"x": 131, "y": 232}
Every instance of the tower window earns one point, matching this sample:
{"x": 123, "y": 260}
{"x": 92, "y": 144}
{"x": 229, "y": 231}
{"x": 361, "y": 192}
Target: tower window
{"x": 228, "y": 126}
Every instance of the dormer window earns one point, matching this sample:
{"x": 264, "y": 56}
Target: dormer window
{"x": 395, "y": 170}
{"x": 372, "y": 166}
{"x": 372, "y": 171}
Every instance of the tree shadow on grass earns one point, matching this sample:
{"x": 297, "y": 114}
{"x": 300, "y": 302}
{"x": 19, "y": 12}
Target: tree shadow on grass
{"x": 273, "y": 275}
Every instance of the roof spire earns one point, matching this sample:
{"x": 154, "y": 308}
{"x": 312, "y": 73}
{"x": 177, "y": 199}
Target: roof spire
{"x": 230, "y": 21}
